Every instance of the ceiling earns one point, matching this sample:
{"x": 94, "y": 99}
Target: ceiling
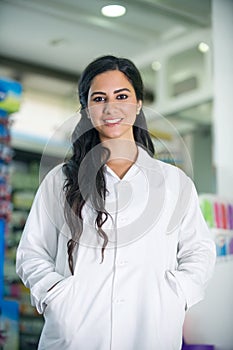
{"x": 59, "y": 37}
{"x": 66, "y": 34}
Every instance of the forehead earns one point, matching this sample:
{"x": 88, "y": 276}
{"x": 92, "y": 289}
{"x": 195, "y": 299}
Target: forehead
{"x": 110, "y": 80}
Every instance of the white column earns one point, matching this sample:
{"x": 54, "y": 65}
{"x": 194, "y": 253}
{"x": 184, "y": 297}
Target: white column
{"x": 222, "y": 21}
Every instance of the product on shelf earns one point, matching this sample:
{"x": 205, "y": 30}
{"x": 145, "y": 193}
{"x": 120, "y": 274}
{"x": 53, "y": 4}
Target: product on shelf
{"x": 10, "y": 95}
{"x": 218, "y": 213}
{"x": 9, "y": 325}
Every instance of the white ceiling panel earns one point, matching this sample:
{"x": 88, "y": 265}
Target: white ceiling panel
{"x": 67, "y": 34}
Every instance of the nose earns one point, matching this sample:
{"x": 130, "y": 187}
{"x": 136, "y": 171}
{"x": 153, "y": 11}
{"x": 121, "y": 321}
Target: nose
{"x": 110, "y": 108}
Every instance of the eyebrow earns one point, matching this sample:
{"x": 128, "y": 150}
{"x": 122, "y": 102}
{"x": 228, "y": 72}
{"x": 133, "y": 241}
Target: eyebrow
{"x": 115, "y": 92}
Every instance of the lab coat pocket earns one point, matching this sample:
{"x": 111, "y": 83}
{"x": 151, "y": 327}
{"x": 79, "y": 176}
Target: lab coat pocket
{"x": 57, "y": 326}
{"x": 57, "y": 291}
{"x": 172, "y": 304}
{"x": 175, "y": 288}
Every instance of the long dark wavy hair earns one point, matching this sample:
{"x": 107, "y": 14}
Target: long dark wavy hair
{"x": 90, "y": 177}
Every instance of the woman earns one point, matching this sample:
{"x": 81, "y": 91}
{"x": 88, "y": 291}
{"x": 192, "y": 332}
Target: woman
{"x": 115, "y": 248}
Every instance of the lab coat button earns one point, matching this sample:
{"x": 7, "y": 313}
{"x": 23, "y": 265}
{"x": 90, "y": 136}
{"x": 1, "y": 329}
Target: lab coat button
{"x": 118, "y": 301}
{"x": 123, "y": 220}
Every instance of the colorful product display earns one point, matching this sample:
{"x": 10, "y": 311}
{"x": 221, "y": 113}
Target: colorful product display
{"x": 20, "y": 324}
{"x": 218, "y": 213}
{"x": 10, "y": 93}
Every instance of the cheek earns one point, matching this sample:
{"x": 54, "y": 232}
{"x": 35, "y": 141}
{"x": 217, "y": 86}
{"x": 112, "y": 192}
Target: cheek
{"x": 129, "y": 108}
{"x": 130, "y": 111}
{"x": 95, "y": 113}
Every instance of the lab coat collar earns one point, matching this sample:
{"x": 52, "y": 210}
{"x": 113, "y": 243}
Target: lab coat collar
{"x": 142, "y": 161}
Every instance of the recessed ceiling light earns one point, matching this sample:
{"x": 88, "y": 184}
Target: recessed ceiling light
{"x": 156, "y": 65}
{"x": 113, "y": 10}
{"x": 203, "y": 47}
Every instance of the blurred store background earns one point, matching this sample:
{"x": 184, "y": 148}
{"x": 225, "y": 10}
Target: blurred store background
{"x": 184, "y": 51}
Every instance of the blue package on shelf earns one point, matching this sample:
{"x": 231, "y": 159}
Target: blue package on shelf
{"x": 221, "y": 245}
{"x": 9, "y": 325}
{"x": 10, "y": 95}
{"x": 3, "y": 114}
{"x": 4, "y": 134}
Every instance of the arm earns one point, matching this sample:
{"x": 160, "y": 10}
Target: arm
{"x": 36, "y": 253}
{"x": 196, "y": 251}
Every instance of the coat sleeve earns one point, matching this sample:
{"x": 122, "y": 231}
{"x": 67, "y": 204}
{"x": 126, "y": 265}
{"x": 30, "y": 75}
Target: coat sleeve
{"x": 36, "y": 253}
{"x": 196, "y": 253}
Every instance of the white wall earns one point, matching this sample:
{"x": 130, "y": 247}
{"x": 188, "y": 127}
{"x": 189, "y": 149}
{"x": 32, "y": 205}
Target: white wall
{"x": 211, "y": 321}
{"x": 222, "y": 19}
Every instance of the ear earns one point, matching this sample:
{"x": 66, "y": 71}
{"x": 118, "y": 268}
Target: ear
{"x": 139, "y": 106}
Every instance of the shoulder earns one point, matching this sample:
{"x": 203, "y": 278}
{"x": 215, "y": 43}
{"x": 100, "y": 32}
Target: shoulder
{"x": 169, "y": 175}
{"x": 171, "y": 172}
{"x": 180, "y": 194}
{"x": 178, "y": 183}
{"x": 52, "y": 183}
{"x": 55, "y": 175}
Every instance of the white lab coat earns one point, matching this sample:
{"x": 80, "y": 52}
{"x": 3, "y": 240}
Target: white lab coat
{"x": 158, "y": 260}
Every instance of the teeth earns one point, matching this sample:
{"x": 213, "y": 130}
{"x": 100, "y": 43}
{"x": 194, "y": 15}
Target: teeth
{"x": 112, "y": 121}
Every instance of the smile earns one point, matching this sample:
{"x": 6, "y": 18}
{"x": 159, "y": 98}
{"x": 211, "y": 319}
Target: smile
{"x": 113, "y": 121}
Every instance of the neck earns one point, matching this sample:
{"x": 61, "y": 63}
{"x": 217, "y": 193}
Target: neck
{"x": 123, "y": 154}
{"x": 121, "y": 150}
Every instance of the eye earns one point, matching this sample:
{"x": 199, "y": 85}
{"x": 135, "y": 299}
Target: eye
{"x": 98, "y": 99}
{"x": 122, "y": 97}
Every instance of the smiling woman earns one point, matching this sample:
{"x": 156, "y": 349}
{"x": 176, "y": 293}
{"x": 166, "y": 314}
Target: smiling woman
{"x": 115, "y": 248}
{"x": 112, "y": 105}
